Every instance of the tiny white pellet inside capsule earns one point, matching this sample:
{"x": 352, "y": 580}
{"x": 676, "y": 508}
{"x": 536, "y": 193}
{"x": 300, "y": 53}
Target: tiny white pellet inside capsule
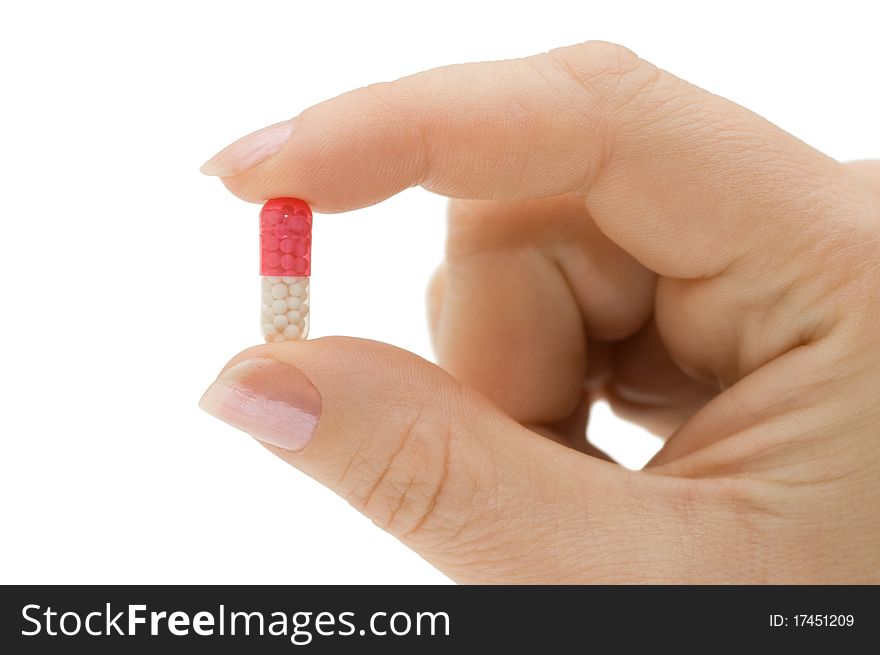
{"x": 284, "y": 311}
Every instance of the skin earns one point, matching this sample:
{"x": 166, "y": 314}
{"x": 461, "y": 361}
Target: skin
{"x": 614, "y": 232}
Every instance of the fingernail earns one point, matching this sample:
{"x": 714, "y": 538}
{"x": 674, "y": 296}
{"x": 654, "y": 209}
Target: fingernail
{"x": 248, "y": 151}
{"x": 270, "y": 400}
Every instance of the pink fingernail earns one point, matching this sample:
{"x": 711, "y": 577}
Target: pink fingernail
{"x": 270, "y": 400}
{"x": 248, "y": 151}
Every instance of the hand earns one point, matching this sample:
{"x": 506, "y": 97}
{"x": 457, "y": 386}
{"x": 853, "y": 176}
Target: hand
{"x": 614, "y": 232}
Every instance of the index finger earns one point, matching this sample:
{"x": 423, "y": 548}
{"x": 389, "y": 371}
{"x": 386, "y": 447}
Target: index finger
{"x": 661, "y": 163}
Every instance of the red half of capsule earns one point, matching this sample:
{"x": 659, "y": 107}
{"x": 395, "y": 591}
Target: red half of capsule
{"x": 286, "y": 238}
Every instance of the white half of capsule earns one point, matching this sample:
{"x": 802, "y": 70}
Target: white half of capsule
{"x": 285, "y": 308}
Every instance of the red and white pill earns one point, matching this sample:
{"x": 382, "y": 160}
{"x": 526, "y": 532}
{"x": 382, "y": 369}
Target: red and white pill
{"x": 285, "y": 267}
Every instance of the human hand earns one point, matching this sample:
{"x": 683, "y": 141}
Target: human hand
{"x": 615, "y": 232}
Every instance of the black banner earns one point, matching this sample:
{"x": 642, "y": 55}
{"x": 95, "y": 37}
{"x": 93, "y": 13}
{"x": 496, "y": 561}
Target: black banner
{"x": 115, "y": 619}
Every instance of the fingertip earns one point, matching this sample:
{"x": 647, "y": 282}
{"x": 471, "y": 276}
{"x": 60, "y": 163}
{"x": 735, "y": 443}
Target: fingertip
{"x": 249, "y": 150}
{"x": 238, "y": 187}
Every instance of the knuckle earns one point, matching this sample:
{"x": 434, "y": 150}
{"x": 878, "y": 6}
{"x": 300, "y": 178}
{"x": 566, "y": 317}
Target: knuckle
{"x": 403, "y": 495}
{"x": 619, "y": 90}
{"x": 611, "y": 74}
{"x": 403, "y": 103}
{"x": 596, "y": 60}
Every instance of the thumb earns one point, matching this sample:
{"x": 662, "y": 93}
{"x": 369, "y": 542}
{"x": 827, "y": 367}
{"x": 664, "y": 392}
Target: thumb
{"x": 438, "y": 466}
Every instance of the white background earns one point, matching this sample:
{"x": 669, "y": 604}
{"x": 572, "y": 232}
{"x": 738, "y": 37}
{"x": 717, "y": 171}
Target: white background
{"x": 128, "y": 279}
